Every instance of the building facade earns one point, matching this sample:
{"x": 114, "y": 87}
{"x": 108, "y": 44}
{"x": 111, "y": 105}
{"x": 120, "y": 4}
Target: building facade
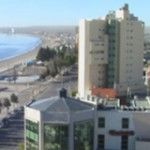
{"x": 92, "y": 55}
{"x": 64, "y": 123}
{"x": 122, "y": 129}
{"x": 59, "y": 123}
{"x": 111, "y": 53}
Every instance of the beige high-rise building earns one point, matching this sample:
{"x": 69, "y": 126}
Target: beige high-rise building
{"x": 92, "y": 55}
{"x": 111, "y": 53}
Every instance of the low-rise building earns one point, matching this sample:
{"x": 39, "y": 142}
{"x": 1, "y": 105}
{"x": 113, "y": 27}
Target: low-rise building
{"x": 64, "y": 123}
{"x": 59, "y": 123}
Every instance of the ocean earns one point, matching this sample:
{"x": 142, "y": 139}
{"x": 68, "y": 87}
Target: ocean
{"x": 12, "y": 45}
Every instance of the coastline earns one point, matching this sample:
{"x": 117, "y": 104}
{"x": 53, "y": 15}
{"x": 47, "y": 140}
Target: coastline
{"x": 9, "y": 63}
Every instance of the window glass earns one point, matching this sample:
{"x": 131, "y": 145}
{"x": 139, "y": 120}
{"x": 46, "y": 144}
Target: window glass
{"x": 32, "y": 135}
{"x": 55, "y": 137}
{"x": 101, "y": 122}
{"x": 125, "y": 123}
{"x": 124, "y": 142}
{"x": 83, "y": 135}
{"x": 101, "y": 142}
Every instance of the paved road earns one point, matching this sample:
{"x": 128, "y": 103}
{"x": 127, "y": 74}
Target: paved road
{"x": 54, "y": 87}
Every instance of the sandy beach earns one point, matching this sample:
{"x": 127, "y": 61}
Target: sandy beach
{"x": 20, "y": 59}
{"x": 24, "y": 91}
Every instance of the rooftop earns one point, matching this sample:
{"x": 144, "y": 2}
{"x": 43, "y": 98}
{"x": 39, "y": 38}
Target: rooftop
{"x": 61, "y": 103}
{"x": 59, "y": 109}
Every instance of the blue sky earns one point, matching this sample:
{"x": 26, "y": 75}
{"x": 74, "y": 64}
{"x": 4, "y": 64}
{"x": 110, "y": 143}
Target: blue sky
{"x": 64, "y": 12}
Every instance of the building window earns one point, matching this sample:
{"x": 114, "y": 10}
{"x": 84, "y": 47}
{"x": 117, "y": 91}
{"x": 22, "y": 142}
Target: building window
{"x": 55, "y": 137}
{"x": 83, "y": 135}
{"x": 32, "y": 135}
{"x": 125, "y": 123}
{"x": 124, "y": 142}
{"x": 101, "y": 122}
{"x": 101, "y": 142}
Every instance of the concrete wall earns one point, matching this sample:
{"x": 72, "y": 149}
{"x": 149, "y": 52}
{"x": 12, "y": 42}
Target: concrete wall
{"x": 131, "y": 52}
{"x": 142, "y": 145}
{"x": 32, "y": 114}
{"x": 113, "y": 121}
{"x": 82, "y": 58}
{"x": 142, "y": 124}
{"x": 93, "y": 43}
{"x": 139, "y": 122}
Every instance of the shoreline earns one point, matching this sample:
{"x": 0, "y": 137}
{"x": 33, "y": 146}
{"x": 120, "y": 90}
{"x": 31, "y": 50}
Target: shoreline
{"x": 39, "y": 42}
{"x": 26, "y": 51}
{"x": 9, "y": 63}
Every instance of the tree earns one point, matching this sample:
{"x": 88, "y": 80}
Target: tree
{"x": 73, "y": 93}
{"x": 52, "y": 68}
{"x": 14, "y": 75}
{"x": 56, "y": 59}
{"x": 14, "y": 98}
{"x": 21, "y": 146}
{"x": 70, "y": 60}
{"x": 6, "y": 103}
{"x": 41, "y": 55}
{"x": 45, "y": 54}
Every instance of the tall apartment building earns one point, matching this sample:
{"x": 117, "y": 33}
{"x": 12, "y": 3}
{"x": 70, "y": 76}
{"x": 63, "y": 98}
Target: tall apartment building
{"x": 111, "y": 53}
{"x": 92, "y": 54}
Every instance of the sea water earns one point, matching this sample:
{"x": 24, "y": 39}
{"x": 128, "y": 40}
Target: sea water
{"x": 14, "y": 44}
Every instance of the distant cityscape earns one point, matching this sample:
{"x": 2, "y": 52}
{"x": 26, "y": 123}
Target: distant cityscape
{"x": 83, "y": 87}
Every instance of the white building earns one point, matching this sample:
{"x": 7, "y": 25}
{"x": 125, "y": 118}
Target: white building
{"x": 64, "y": 123}
{"x": 111, "y": 53}
{"x": 59, "y": 123}
{"x": 122, "y": 129}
